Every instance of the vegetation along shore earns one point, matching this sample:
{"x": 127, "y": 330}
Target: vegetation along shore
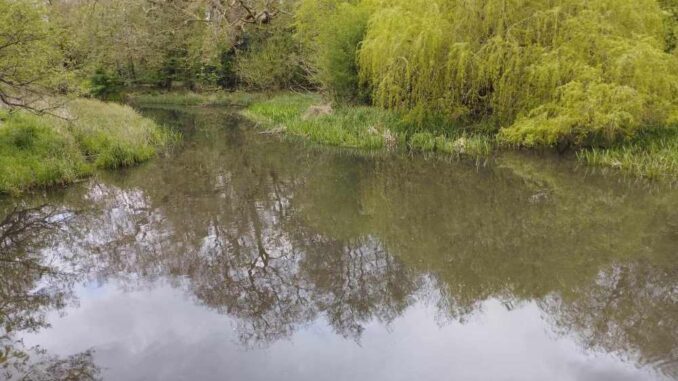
{"x": 594, "y": 80}
{"x": 37, "y": 151}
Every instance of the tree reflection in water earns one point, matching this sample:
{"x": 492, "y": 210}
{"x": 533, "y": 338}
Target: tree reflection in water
{"x": 32, "y": 284}
{"x": 282, "y": 239}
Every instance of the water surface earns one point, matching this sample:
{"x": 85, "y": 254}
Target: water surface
{"x": 242, "y": 256}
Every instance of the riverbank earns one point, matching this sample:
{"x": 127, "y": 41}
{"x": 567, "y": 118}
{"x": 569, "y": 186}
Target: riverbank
{"x": 43, "y": 150}
{"x": 653, "y": 154}
{"x": 364, "y": 127}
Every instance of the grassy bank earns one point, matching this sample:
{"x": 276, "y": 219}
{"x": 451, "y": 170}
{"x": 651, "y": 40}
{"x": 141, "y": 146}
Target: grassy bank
{"x": 42, "y": 150}
{"x": 652, "y": 154}
{"x": 111, "y": 135}
{"x": 217, "y": 98}
{"x": 306, "y": 115}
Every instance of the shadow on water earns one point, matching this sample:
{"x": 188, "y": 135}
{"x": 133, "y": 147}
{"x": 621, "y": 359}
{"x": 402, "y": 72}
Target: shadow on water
{"x": 276, "y": 235}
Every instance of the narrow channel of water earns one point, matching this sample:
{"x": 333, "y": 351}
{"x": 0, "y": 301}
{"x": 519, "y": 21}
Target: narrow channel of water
{"x": 243, "y": 256}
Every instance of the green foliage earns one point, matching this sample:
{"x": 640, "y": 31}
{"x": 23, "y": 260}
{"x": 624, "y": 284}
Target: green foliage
{"x": 141, "y": 43}
{"x": 358, "y": 127}
{"x": 348, "y": 126}
{"x": 105, "y": 86}
{"x": 41, "y": 150}
{"x": 271, "y": 61}
{"x": 112, "y": 135}
{"x": 36, "y": 151}
{"x": 670, "y": 8}
{"x": 574, "y": 72}
{"x": 652, "y": 154}
{"x": 29, "y": 58}
{"x": 332, "y": 32}
{"x": 226, "y": 76}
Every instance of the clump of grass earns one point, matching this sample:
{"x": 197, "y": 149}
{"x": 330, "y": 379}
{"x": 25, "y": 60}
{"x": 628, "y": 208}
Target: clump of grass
{"x": 358, "y": 127}
{"x": 654, "y": 154}
{"x": 112, "y": 135}
{"x": 281, "y": 109}
{"x": 219, "y": 98}
{"x": 347, "y": 126}
{"x": 42, "y": 150}
{"x": 459, "y": 144}
{"x": 423, "y": 141}
{"x": 37, "y": 151}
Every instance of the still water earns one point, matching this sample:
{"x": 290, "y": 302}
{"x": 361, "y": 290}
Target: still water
{"x": 242, "y": 256}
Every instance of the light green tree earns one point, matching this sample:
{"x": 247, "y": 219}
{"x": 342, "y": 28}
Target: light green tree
{"x": 30, "y": 61}
{"x": 566, "y": 72}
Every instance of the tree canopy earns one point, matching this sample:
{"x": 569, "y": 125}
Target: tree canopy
{"x": 545, "y": 72}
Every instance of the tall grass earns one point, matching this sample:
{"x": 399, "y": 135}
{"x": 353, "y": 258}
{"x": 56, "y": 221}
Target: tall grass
{"x": 42, "y": 151}
{"x": 460, "y": 144}
{"x": 359, "y": 127}
{"x": 34, "y": 151}
{"x": 112, "y": 135}
{"x": 355, "y": 127}
{"x": 654, "y": 155}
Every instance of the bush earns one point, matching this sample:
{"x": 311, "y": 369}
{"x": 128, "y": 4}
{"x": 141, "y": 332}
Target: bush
{"x": 333, "y": 32}
{"x": 105, "y": 86}
{"x": 271, "y": 61}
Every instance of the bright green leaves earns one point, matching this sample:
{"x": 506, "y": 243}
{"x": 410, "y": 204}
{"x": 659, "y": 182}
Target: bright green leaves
{"x": 29, "y": 57}
{"x": 548, "y": 72}
{"x": 332, "y": 31}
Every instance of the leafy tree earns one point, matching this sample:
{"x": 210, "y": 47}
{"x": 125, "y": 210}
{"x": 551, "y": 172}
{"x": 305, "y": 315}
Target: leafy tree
{"x": 159, "y": 42}
{"x": 105, "y": 85}
{"x": 568, "y": 72}
{"x": 29, "y": 57}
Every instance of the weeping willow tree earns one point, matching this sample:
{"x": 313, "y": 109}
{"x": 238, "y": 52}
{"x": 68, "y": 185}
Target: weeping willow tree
{"x": 670, "y": 8}
{"x": 542, "y": 72}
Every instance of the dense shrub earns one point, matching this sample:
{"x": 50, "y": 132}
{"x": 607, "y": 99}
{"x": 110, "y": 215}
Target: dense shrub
{"x": 104, "y": 85}
{"x": 271, "y": 60}
{"x": 332, "y": 31}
